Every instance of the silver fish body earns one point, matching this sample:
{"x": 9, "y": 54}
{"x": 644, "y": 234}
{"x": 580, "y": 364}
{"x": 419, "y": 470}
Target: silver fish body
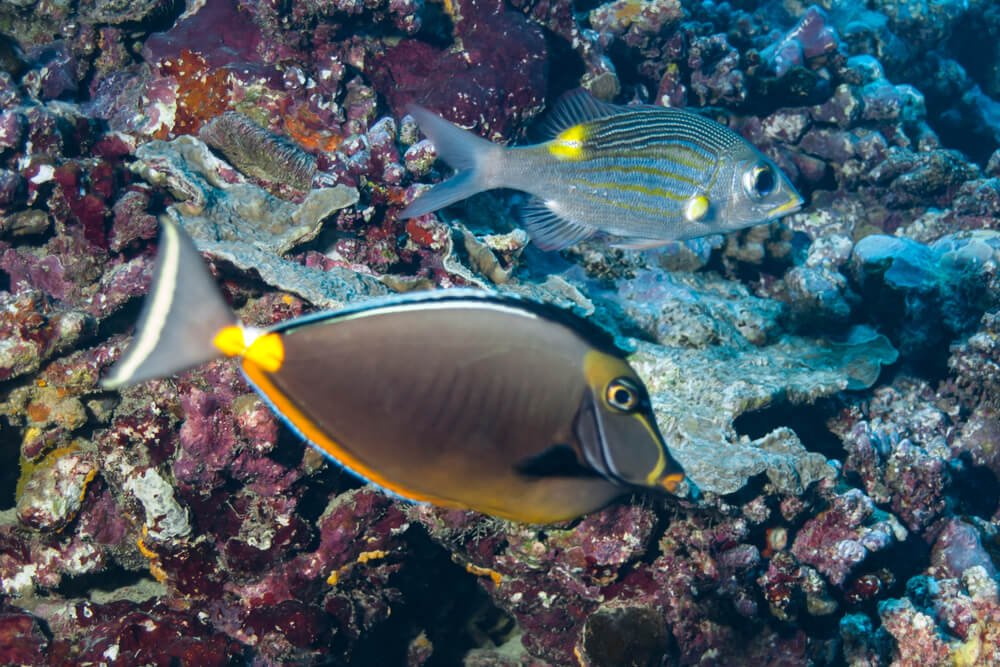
{"x": 644, "y": 175}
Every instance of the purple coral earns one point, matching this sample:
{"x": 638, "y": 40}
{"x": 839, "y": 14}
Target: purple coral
{"x": 811, "y": 40}
{"x": 841, "y": 537}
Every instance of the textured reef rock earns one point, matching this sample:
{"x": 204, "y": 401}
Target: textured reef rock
{"x": 697, "y": 394}
{"x": 830, "y": 381}
{"x": 244, "y": 225}
{"x": 479, "y": 85}
{"x": 949, "y": 283}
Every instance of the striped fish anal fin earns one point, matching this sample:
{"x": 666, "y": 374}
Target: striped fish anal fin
{"x": 574, "y": 108}
{"x": 548, "y": 230}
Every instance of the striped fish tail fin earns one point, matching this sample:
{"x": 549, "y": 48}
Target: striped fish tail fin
{"x": 463, "y": 151}
{"x": 183, "y": 314}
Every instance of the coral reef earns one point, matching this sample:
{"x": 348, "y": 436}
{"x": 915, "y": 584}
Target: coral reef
{"x": 829, "y": 381}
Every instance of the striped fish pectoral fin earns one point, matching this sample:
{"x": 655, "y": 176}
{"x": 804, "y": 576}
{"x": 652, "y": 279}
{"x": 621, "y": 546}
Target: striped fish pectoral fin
{"x": 549, "y": 230}
{"x": 575, "y": 107}
{"x": 183, "y": 313}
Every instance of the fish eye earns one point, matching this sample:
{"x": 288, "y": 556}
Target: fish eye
{"x": 759, "y": 181}
{"x": 622, "y": 394}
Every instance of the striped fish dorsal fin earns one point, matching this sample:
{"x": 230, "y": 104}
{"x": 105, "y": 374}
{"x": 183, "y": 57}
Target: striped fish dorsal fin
{"x": 548, "y": 230}
{"x": 574, "y": 108}
{"x": 638, "y": 128}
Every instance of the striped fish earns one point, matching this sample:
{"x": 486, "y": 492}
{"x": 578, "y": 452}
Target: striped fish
{"x": 641, "y": 175}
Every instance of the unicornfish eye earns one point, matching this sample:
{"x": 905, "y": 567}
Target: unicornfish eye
{"x": 759, "y": 181}
{"x": 622, "y": 394}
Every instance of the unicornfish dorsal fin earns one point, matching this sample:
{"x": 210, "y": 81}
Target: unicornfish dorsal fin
{"x": 183, "y": 313}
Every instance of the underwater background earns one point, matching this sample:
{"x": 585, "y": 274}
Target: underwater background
{"x": 829, "y": 381}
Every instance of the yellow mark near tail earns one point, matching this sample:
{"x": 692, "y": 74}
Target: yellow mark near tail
{"x": 266, "y": 351}
{"x": 672, "y": 481}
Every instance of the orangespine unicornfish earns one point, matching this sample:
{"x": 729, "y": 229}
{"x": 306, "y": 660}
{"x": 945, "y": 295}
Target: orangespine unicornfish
{"x": 641, "y": 175}
{"x": 460, "y": 398}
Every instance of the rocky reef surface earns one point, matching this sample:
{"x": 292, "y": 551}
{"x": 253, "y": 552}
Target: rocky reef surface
{"x": 831, "y": 381}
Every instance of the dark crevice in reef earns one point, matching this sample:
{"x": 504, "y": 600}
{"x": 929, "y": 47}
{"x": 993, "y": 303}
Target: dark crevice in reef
{"x": 753, "y": 488}
{"x": 808, "y": 422}
{"x": 436, "y": 26}
{"x": 10, "y": 467}
{"x": 332, "y": 480}
{"x": 109, "y": 579}
{"x": 904, "y": 560}
{"x": 121, "y": 321}
{"x": 439, "y": 598}
{"x": 565, "y": 69}
{"x": 975, "y": 489}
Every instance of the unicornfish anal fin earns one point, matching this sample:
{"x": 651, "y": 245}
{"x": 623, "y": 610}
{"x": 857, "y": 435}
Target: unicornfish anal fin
{"x": 183, "y": 313}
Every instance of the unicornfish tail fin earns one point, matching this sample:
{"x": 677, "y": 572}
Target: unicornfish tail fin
{"x": 463, "y": 151}
{"x": 183, "y": 314}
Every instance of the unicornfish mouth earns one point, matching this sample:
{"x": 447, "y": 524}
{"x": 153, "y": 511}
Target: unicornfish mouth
{"x": 672, "y": 481}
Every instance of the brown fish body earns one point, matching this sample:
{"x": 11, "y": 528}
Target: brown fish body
{"x": 454, "y": 405}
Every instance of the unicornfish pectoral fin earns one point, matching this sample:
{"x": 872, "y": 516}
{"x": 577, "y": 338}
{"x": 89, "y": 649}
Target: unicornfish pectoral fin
{"x": 588, "y": 430}
{"x": 464, "y": 152}
{"x": 183, "y": 313}
{"x": 555, "y": 461}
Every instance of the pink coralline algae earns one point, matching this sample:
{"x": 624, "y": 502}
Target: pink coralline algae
{"x": 33, "y": 331}
{"x": 811, "y": 39}
{"x": 843, "y": 536}
{"x": 495, "y": 90}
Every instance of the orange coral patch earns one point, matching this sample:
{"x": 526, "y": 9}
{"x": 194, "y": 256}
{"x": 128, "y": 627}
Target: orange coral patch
{"x": 38, "y": 413}
{"x": 308, "y": 130}
{"x": 202, "y": 93}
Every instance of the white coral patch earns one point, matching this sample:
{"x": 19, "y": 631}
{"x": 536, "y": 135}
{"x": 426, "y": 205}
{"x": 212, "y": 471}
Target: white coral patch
{"x": 166, "y": 519}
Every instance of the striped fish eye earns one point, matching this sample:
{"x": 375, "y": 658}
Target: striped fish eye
{"x": 622, "y": 394}
{"x": 759, "y": 181}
